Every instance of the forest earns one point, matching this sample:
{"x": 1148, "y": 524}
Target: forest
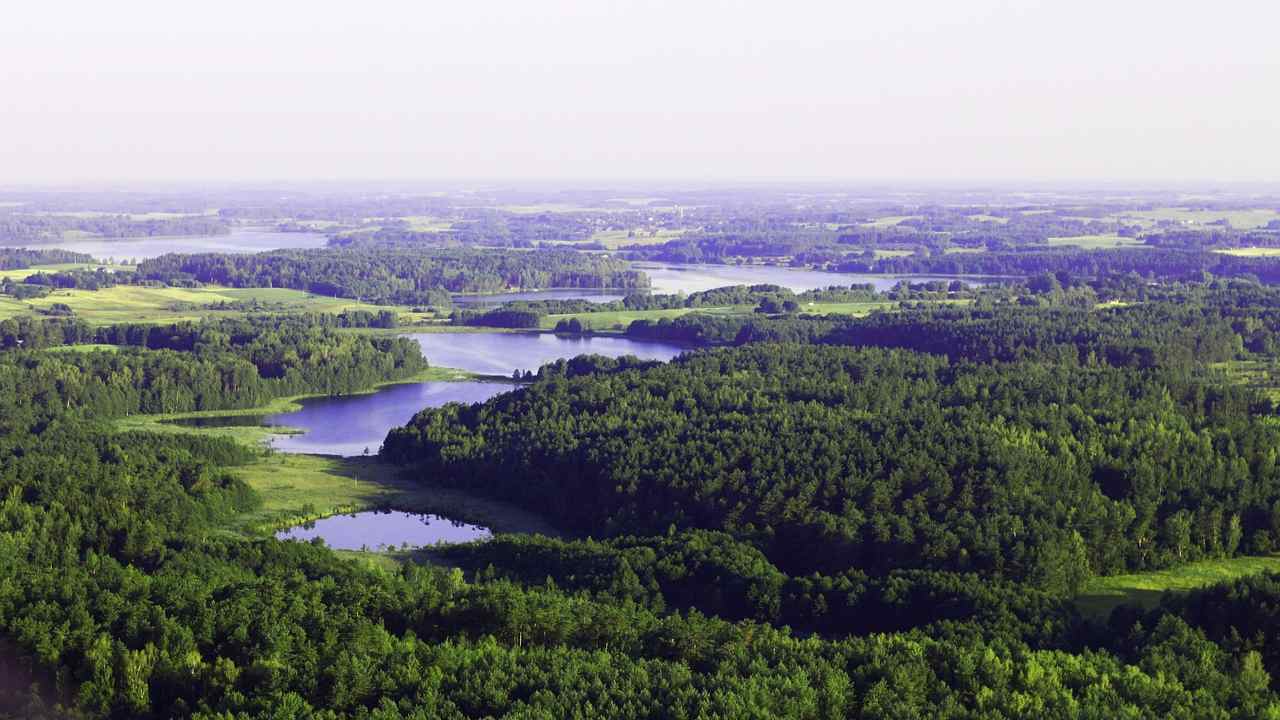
{"x": 391, "y": 276}
{"x": 887, "y": 513}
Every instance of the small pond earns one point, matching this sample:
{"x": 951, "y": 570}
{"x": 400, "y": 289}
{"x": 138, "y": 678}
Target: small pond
{"x": 385, "y": 530}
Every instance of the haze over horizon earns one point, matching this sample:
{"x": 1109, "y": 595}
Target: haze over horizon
{"x": 987, "y": 90}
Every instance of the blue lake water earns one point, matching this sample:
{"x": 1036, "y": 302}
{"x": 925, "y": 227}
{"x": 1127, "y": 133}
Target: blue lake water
{"x": 350, "y": 424}
{"x": 501, "y": 353}
{"x": 385, "y": 530}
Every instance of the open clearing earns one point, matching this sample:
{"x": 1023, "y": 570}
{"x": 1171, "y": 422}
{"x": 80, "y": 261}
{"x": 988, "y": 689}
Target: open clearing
{"x": 888, "y": 220}
{"x": 23, "y": 273}
{"x": 1239, "y": 219}
{"x": 614, "y": 239}
{"x": 1251, "y": 251}
{"x": 1096, "y": 242}
{"x": 618, "y": 320}
{"x": 298, "y": 488}
{"x": 1102, "y": 594}
{"x": 134, "y": 304}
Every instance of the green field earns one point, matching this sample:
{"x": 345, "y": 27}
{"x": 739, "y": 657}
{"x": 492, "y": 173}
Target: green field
{"x": 888, "y": 220}
{"x": 1239, "y": 219}
{"x": 85, "y": 348}
{"x": 427, "y": 223}
{"x": 1096, "y": 242}
{"x": 24, "y": 273}
{"x": 855, "y": 309}
{"x": 614, "y": 239}
{"x": 132, "y": 303}
{"x": 618, "y": 320}
{"x": 1102, "y": 594}
{"x": 1251, "y": 251}
{"x": 298, "y": 488}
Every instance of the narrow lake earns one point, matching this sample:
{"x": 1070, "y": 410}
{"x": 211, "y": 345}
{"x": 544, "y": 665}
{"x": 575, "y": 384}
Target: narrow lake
{"x": 385, "y": 530}
{"x": 240, "y": 240}
{"x": 350, "y": 424}
{"x": 667, "y": 278}
{"x": 501, "y": 353}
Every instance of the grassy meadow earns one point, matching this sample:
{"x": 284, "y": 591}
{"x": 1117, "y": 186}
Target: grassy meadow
{"x": 1251, "y": 251}
{"x": 614, "y": 239}
{"x": 1102, "y": 594}
{"x": 133, "y": 303}
{"x": 1239, "y": 219}
{"x": 298, "y": 488}
{"x": 1096, "y": 242}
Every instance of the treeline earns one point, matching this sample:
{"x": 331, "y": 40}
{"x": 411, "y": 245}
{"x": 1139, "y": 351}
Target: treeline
{"x": 20, "y": 258}
{"x": 1176, "y": 328}
{"x": 397, "y": 276}
{"x": 715, "y": 574}
{"x": 15, "y": 227}
{"x": 1166, "y": 264}
{"x": 764, "y": 298}
{"x": 212, "y": 365}
{"x": 131, "y": 604}
{"x": 885, "y": 459}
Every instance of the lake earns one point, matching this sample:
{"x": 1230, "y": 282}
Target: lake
{"x": 349, "y": 424}
{"x": 240, "y": 240}
{"x": 385, "y": 530}
{"x": 668, "y": 279}
{"x": 501, "y": 353}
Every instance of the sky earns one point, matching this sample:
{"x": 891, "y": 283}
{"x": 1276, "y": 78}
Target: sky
{"x": 1076, "y": 90}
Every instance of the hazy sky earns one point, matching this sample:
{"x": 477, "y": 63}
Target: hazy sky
{"x": 567, "y": 89}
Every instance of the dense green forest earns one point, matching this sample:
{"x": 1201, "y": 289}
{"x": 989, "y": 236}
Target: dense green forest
{"x": 396, "y": 276}
{"x": 887, "y": 516}
{"x": 18, "y": 258}
{"x": 50, "y": 228}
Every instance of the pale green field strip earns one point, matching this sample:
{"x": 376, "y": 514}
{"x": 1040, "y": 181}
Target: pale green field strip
{"x": 85, "y": 348}
{"x": 1239, "y": 219}
{"x": 132, "y": 303}
{"x": 1102, "y": 594}
{"x": 301, "y": 488}
{"x": 1096, "y": 242}
{"x": 1251, "y": 251}
{"x": 888, "y": 220}
{"x": 426, "y": 223}
{"x": 618, "y": 320}
{"x": 614, "y": 239}
{"x": 24, "y": 273}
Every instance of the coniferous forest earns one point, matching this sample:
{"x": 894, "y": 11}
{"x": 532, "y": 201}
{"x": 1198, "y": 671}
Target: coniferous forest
{"x": 874, "y": 497}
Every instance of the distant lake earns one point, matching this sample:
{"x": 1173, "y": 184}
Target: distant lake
{"x": 384, "y": 530}
{"x": 501, "y": 353}
{"x": 349, "y": 424}
{"x": 240, "y": 240}
{"x": 669, "y": 278}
